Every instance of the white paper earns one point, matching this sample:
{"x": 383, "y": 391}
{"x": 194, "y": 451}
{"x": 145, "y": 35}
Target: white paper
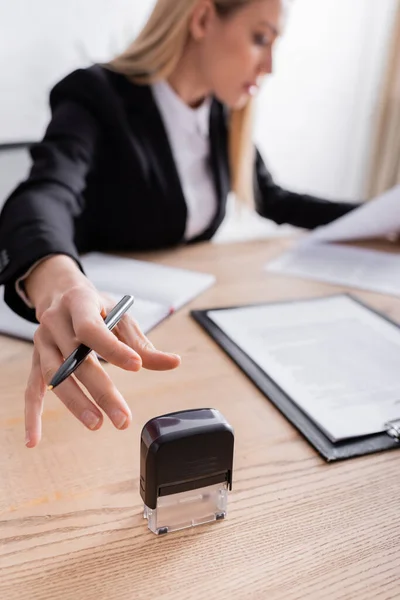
{"x": 169, "y": 286}
{"x": 337, "y": 360}
{"x": 342, "y": 265}
{"x": 316, "y": 257}
{"x": 158, "y": 290}
{"x": 378, "y": 218}
{"x": 14, "y": 325}
{"x": 147, "y": 314}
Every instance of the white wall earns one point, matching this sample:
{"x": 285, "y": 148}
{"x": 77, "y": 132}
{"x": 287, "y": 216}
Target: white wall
{"x": 14, "y": 167}
{"x": 315, "y": 114}
{"x": 43, "y": 40}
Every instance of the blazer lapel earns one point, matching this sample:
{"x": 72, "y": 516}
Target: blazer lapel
{"x": 145, "y": 117}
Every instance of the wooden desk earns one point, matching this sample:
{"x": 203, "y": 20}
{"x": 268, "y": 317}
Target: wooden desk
{"x": 71, "y": 525}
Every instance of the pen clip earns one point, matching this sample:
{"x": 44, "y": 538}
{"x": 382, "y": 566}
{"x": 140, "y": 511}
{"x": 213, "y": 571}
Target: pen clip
{"x": 393, "y": 429}
{"x": 116, "y": 313}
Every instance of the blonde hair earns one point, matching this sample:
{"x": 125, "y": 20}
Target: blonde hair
{"x": 154, "y": 55}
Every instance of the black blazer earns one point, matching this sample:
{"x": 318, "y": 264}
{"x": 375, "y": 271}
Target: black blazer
{"x": 104, "y": 178}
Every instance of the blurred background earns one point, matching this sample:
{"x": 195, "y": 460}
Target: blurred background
{"x": 325, "y": 119}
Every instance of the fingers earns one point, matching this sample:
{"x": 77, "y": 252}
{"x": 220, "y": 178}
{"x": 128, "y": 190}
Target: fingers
{"x": 91, "y": 330}
{"x": 34, "y": 395}
{"x": 77, "y": 317}
{"x": 104, "y": 393}
{"x": 69, "y": 392}
{"x": 56, "y": 338}
{"x": 129, "y": 331}
{"x": 95, "y": 379}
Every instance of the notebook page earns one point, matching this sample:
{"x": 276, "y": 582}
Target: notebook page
{"x": 147, "y": 314}
{"x": 353, "y": 267}
{"x": 335, "y": 359}
{"x": 169, "y": 286}
{"x": 14, "y": 325}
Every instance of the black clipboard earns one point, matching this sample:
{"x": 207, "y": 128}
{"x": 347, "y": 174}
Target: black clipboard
{"x": 349, "y": 448}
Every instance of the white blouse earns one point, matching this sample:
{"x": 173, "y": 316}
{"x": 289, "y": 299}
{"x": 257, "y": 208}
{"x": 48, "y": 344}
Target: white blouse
{"x": 188, "y": 132}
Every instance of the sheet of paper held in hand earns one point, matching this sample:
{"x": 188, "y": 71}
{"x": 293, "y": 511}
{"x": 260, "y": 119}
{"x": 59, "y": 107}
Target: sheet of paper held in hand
{"x": 316, "y": 258}
{"x": 337, "y": 360}
{"x": 378, "y": 218}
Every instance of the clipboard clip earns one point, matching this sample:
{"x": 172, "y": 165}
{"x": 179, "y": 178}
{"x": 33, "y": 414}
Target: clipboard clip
{"x": 393, "y": 429}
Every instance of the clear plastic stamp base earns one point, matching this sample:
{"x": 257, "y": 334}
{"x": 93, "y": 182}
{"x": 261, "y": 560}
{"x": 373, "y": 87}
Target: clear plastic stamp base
{"x": 188, "y": 509}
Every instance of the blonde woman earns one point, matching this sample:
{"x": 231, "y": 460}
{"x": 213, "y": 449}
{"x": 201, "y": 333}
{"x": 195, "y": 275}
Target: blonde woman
{"x": 139, "y": 154}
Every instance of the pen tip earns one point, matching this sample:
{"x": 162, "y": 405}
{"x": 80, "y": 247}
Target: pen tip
{"x": 50, "y": 387}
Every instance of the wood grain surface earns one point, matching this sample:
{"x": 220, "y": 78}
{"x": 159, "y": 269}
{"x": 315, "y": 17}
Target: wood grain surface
{"x": 71, "y": 524}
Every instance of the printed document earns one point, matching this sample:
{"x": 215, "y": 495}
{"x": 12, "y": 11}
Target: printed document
{"x": 342, "y": 265}
{"x": 336, "y": 359}
{"x": 317, "y": 257}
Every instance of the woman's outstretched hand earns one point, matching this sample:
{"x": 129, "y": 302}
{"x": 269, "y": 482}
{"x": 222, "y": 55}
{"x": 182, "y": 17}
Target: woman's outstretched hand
{"x": 71, "y": 311}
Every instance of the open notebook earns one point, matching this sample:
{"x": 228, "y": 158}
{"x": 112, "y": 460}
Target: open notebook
{"x": 158, "y": 290}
